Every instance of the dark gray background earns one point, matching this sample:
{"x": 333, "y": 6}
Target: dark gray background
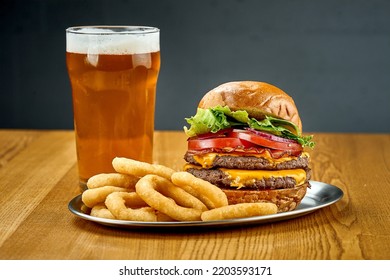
{"x": 332, "y": 57}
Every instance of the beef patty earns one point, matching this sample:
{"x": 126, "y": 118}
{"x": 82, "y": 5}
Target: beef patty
{"x": 221, "y": 179}
{"x": 251, "y": 162}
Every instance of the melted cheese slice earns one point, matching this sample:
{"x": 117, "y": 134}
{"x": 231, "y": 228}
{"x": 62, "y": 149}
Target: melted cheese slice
{"x": 241, "y": 177}
{"x": 205, "y": 160}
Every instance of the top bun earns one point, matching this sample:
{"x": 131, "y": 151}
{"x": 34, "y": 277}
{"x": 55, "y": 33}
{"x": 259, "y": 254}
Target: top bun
{"x": 257, "y": 98}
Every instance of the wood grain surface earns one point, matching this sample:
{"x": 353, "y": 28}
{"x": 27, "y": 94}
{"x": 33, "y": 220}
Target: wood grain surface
{"x": 38, "y": 178}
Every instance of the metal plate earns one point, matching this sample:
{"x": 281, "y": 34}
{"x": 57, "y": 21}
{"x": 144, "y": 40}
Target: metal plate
{"x": 320, "y": 195}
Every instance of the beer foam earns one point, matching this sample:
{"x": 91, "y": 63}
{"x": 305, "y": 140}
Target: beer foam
{"x": 105, "y": 41}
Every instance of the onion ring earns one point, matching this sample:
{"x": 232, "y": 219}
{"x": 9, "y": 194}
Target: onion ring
{"x": 140, "y": 169}
{"x": 101, "y": 211}
{"x": 164, "y": 196}
{"x": 112, "y": 179}
{"x": 129, "y": 206}
{"x": 242, "y": 210}
{"x": 91, "y": 197}
{"x": 209, "y": 194}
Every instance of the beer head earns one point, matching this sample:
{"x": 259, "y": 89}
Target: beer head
{"x": 112, "y": 39}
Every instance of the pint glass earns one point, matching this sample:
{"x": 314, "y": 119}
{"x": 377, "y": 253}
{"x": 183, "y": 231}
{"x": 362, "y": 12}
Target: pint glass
{"x": 113, "y": 73}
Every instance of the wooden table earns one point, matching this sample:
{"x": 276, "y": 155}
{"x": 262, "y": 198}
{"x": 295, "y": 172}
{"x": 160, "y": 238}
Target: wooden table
{"x": 38, "y": 177}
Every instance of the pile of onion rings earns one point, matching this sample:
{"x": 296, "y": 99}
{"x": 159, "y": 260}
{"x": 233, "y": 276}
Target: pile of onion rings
{"x": 140, "y": 191}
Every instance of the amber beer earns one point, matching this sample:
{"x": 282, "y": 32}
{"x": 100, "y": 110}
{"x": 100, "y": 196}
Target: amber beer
{"x": 113, "y": 74}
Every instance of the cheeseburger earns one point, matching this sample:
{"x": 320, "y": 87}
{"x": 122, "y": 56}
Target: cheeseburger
{"x": 246, "y": 138}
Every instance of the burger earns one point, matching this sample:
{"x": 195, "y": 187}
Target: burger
{"x": 246, "y": 138}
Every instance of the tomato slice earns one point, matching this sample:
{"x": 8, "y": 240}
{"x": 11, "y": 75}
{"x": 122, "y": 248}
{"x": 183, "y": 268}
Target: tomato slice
{"x": 266, "y": 141}
{"x": 218, "y": 142}
{"x": 245, "y": 140}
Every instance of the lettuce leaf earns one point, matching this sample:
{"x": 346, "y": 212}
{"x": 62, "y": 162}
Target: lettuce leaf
{"x": 281, "y": 128}
{"x": 217, "y": 118}
{"x": 206, "y": 120}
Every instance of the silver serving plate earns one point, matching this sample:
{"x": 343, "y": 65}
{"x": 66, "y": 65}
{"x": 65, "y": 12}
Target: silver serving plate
{"x": 320, "y": 195}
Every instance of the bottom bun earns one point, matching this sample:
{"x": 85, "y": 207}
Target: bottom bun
{"x": 285, "y": 199}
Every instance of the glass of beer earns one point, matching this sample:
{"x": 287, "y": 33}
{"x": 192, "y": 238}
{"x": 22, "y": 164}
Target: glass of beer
{"x": 113, "y": 73}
